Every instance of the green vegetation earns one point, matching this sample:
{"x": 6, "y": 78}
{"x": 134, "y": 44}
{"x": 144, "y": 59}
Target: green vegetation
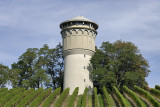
{"x": 147, "y": 95}
{"x": 26, "y": 100}
{"x": 79, "y": 102}
{"x": 36, "y": 68}
{"x": 16, "y": 99}
{"x": 95, "y": 97}
{"x": 62, "y": 97}
{"x": 117, "y": 64}
{"x": 6, "y": 92}
{"x": 120, "y": 97}
{"x": 155, "y": 92}
{"x": 51, "y": 97}
{"x": 84, "y": 98}
{"x": 90, "y": 101}
{"x": 4, "y": 75}
{"x": 3, "y": 89}
{"x": 20, "y": 97}
{"x": 9, "y": 96}
{"x": 157, "y": 87}
{"x": 40, "y": 98}
{"x": 101, "y": 102}
{"x": 138, "y": 101}
{"x": 73, "y": 97}
{"x": 3, "y": 93}
{"x": 106, "y": 97}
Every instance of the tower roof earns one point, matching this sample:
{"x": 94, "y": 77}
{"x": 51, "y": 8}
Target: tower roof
{"x": 79, "y": 18}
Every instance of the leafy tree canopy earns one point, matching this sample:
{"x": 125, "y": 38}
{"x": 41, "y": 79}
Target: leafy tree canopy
{"x": 38, "y": 68}
{"x": 117, "y": 64}
{"x": 4, "y": 70}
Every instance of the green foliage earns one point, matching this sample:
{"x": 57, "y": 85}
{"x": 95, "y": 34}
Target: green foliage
{"x": 147, "y": 95}
{"x": 9, "y": 96}
{"x": 117, "y": 64}
{"x": 146, "y": 87}
{"x": 79, "y": 102}
{"x": 157, "y": 87}
{"x": 138, "y": 101}
{"x": 84, "y": 98}
{"x": 155, "y": 92}
{"x": 4, "y": 70}
{"x": 51, "y": 97}
{"x": 27, "y": 99}
{"x": 40, "y": 98}
{"x": 62, "y": 97}
{"x": 95, "y": 97}
{"x": 122, "y": 100}
{"x": 106, "y": 97}
{"x": 3, "y": 89}
{"x": 6, "y": 92}
{"x": 89, "y": 100}
{"x": 17, "y": 98}
{"x": 101, "y": 101}
{"x": 73, "y": 97}
{"x": 38, "y": 68}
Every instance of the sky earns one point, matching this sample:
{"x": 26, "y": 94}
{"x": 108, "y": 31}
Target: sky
{"x": 32, "y": 23}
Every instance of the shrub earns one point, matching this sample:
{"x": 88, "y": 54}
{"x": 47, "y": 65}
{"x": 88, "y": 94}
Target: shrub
{"x": 157, "y": 87}
{"x": 106, "y": 97}
{"x": 10, "y": 95}
{"x": 29, "y": 97}
{"x": 62, "y": 97}
{"x": 134, "y": 97}
{"x": 18, "y": 98}
{"x": 51, "y": 97}
{"x": 6, "y": 92}
{"x": 95, "y": 97}
{"x": 122, "y": 100}
{"x": 101, "y": 103}
{"x": 155, "y": 92}
{"x": 73, "y": 97}
{"x": 147, "y": 95}
{"x": 79, "y": 102}
{"x": 40, "y": 97}
{"x": 84, "y": 98}
{"x": 3, "y": 89}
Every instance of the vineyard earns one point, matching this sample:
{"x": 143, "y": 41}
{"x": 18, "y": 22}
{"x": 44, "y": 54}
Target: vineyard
{"x": 138, "y": 97}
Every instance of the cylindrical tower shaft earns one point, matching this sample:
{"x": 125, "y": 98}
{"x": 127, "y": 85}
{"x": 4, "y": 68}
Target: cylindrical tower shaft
{"x": 78, "y": 47}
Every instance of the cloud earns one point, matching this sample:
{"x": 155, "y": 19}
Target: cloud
{"x": 32, "y": 23}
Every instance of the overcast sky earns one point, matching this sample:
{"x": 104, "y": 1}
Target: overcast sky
{"x": 33, "y": 23}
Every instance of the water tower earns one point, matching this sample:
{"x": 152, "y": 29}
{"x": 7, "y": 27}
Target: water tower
{"x": 78, "y": 35}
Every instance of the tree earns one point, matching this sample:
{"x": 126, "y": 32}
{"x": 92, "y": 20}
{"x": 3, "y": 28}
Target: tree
{"x": 3, "y": 75}
{"x": 119, "y": 63}
{"x": 24, "y": 69}
{"x": 55, "y": 66}
{"x": 38, "y": 68}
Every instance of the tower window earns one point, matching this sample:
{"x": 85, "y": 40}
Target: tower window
{"x": 84, "y": 80}
{"x": 84, "y": 56}
{"x": 84, "y": 67}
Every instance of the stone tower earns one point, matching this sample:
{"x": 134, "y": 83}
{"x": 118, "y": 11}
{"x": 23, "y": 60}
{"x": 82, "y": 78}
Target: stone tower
{"x": 78, "y": 35}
